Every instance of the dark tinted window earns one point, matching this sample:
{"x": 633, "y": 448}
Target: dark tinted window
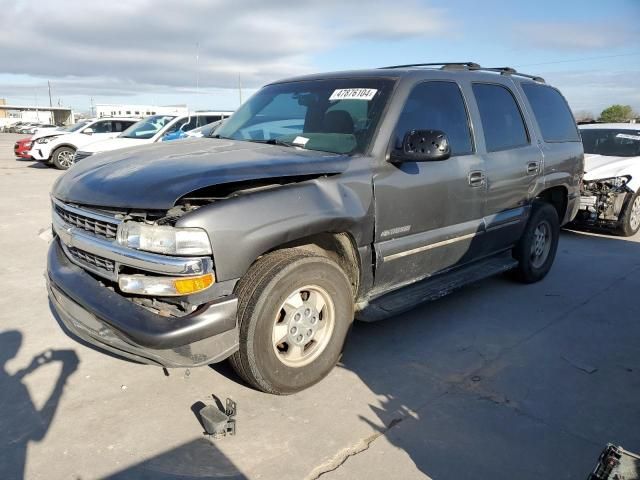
{"x": 501, "y": 118}
{"x": 611, "y": 142}
{"x": 209, "y": 119}
{"x": 552, "y": 113}
{"x": 437, "y": 106}
{"x": 101, "y": 127}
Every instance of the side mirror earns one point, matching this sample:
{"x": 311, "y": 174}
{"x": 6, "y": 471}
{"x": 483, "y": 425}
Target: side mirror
{"x": 88, "y": 131}
{"x": 423, "y": 146}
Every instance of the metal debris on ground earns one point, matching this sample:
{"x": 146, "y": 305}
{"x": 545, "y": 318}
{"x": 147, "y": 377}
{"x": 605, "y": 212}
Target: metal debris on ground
{"x": 219, "y": 423}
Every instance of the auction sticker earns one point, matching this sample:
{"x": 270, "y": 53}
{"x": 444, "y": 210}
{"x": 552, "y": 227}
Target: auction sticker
{"x": 353, "y": 94}
{"x": 628, "y": 137}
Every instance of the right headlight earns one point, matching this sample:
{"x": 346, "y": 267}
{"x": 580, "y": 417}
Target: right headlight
{"x": 164, "y": 239}
{"x": 42, "y": 140}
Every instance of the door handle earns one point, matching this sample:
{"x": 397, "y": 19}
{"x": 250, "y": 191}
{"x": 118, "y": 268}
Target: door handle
{"x": 476, "y": 178}
{"x": 532, "y": 168}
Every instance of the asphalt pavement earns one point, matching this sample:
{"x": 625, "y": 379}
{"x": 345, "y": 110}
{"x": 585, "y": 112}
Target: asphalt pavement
{"x": 499, "y": 380}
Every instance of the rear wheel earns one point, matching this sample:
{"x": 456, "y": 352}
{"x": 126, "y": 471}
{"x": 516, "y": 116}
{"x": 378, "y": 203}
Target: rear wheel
{"x": 536, "y": 249}
{"x": 631, "y": 217}
{"x": 295, "y": 309}
{"x": 62, "y": 157}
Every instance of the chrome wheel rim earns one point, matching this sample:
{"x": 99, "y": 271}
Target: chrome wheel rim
{"x": 634, "y": 218}
{"x": 65, "y": 158}
{"x": 541, "y": 244}
{"x": 303, "y": 326}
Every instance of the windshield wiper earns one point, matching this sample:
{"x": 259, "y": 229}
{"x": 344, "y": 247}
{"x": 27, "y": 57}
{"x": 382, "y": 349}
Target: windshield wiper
{"x": 274, "y": 141}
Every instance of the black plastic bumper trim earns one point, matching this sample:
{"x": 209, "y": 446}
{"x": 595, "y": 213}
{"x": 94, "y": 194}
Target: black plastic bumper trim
{"x": 133, "y": 321}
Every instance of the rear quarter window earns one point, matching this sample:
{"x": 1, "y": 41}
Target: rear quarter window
{"x": 552, "y": 113}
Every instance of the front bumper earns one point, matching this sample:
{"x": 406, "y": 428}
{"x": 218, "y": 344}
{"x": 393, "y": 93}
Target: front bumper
{"x": 109, "y": 321}
{"x": 37, "y": 152}
{"x": 602, "y": 210}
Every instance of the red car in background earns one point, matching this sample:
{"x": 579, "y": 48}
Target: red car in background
{"x": 22, "y": 147}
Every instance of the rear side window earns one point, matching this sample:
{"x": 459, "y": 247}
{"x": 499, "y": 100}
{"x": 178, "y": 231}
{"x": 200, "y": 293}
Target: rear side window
{"x": 437, "y": 106}
{"x": 501, "y": 118}
{"x": 552, "y": 113}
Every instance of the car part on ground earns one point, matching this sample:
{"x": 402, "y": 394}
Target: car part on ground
{"x": 348, "y": 197}
{"x": 616, "y": 463}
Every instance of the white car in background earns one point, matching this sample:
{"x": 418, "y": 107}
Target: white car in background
{"x": 60, "y": 150}
{"x": 155, "y": 128}
{"x": 610, "y": 197}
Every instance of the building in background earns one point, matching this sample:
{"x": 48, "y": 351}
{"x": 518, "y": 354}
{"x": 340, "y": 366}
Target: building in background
{"x": 30, "y": 113}
{"x": 121, "y": 110}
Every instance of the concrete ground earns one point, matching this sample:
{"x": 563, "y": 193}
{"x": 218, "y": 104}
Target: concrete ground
{"x": 499, "y": 380}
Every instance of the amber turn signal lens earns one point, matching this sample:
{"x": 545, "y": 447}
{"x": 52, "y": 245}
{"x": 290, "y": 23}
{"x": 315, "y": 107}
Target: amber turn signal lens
{"x": 185, "y": 286}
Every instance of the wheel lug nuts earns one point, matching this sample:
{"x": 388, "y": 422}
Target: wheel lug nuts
{"x": 297, "y": 317}
{"x": 309, "y": 332}
{"x": 314, "y": 319}
{"x": 293, "y": 330}
{"x": 307, "y": 312}
{"x": 299, "y": 338}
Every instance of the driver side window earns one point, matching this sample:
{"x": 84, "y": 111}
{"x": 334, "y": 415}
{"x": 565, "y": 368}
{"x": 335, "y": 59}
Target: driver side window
{"x": 437, "y": 105}
{"x": 102, "y": 127}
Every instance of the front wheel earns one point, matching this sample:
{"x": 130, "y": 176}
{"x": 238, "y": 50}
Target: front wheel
{"x": 295, "y": 309}
{"x": 631, "y": 217}
{"x": 63, "y": 158}
{"x": 536, "y": 249}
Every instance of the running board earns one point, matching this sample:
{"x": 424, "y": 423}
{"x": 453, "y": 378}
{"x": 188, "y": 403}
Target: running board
{"x": 432, "y": 288}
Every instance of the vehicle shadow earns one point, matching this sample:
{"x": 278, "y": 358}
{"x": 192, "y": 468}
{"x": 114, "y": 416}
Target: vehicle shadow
{"x": 21, "y": 422}
{"x": 486, "y": 383}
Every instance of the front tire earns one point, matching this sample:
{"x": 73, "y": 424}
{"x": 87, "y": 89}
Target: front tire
{"x": 62, "y": 157}
{"x": 295, "y": 309}
{"x": 536, "y": 249}
{"x": 631, "y": 217}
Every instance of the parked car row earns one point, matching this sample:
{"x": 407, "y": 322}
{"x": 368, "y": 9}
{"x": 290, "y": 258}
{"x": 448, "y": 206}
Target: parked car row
{"x": 28, "y": 127}
{"x": 61, "y": 147}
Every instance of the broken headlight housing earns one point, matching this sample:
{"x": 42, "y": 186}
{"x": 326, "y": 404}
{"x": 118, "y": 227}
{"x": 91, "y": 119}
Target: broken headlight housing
{"x": 613, "y": 183}
{"x": 164, "y": 239}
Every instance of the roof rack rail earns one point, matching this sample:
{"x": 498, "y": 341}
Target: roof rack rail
{"x": 443, "y": 65}
{"x": 513, "y": 71}
{"x": 468, "y": 66}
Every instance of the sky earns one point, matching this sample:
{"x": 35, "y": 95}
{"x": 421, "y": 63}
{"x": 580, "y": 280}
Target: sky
{"x": 203, "y": 53}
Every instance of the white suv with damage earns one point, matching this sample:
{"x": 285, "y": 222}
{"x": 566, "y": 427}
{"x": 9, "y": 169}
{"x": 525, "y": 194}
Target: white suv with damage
{"x": 610, "y": 196}
{"x": 60, "y": 150}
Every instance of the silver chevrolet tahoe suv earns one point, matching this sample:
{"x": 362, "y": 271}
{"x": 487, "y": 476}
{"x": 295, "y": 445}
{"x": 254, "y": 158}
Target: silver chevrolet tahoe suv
{"x": 324, "y": 198}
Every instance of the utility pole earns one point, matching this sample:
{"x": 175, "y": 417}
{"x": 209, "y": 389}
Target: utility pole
{"x": 197, "y": 67}
{"x": 49, "y": 84}
{"x": 239, "y": 89}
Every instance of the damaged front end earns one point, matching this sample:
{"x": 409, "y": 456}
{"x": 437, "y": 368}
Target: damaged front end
{"x": 137, "y": 285}
{"x": 602, "y": 201}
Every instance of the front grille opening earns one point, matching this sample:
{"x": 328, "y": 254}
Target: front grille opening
{"x": 96, "y": 261}
{"x": 97, "y": 227}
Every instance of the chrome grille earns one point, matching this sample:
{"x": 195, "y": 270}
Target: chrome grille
{"x": 97, "y": 227}
{"x": 94, "y": 260}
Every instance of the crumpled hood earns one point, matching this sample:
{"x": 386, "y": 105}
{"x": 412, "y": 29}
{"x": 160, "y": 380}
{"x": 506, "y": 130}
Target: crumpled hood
{"x": 600, "y": 166}
{"x": 155, "y": 176}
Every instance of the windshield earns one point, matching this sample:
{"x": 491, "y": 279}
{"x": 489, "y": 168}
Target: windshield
{"x": 148, "y": 127}
{"x": 335, "y": 115}
{"x": 75, "y": 126}
{"x": 611, "y": 142}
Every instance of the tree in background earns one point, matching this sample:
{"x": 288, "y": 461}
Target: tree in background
{"x": 617, "y": 113}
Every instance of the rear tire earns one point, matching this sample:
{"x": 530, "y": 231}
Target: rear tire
{"x": 62, "y": 157}
{"x": 630, "y": 223}
{"x": 536, "y": 249}
{"x": 295, "y": 309}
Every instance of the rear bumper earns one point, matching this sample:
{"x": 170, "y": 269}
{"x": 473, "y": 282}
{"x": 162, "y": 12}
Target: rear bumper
{"x": 106, "y": 320}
